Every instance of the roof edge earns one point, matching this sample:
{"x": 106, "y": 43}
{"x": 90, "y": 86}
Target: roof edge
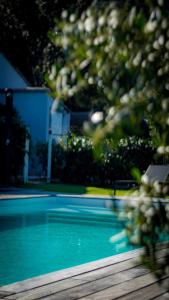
{"x": 15, "y": 68}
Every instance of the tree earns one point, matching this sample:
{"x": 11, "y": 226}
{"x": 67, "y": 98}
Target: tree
{"x": 24, "y": 29}
{"x": 123, "y": 49}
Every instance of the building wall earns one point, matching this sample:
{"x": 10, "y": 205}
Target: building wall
{"x": 34, "y": 109}
{"x": 33, "y": 105}
{"x": 60, "y": 123}
{"x": 66, "y": 123}
{"x": 9, "y": 77}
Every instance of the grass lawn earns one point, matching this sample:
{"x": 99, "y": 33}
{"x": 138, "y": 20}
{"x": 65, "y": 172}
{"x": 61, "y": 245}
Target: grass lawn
{"x": 75, "y": 189}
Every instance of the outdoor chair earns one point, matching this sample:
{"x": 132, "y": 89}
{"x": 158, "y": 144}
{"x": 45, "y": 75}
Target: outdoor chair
{"x": 158, "y": 173}
{"x": 154, "y": 173}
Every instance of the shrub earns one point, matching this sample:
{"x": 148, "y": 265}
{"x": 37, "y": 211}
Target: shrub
{"x": 77, "y": 164}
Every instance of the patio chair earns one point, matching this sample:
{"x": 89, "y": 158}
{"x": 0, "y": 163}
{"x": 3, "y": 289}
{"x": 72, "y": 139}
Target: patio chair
{"x": 158, "y": 173}
{"x": 154, "y": 173}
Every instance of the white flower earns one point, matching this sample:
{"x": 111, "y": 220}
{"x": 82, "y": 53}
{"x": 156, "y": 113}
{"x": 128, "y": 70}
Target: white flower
{"x": 161, "y": 149}
{"x": 156, "y": 14}
{"x": 167, "y": 207}
{"x": 167, "y": 45}
{"x": 111, "y": 111}
{"x": 149, "y": 212}
{"x": 113, "y": 18}
{"x": 130, "y": 215}
{"x": 73, "y": 75}
{"x": 144, "y": 63}
{"x": 167, "y": 86}
{"x": 64, "y": 81}
{"x": 64, "y": 71}
{"x": 89, "y": 24}
{"x": 96, "y": 41}
{"x": 80, "y": 26}
{"x": 132, "y": 15}
{"x": 90, "y": 80}
{"x": 72, "y": 18}
{"x": 97, "y": 117}
{"x": 165, "y": 104}
{"x": 161, "y": 40}
{"x": 150, "y": 26}
{"x": 151, "y": 57}
{"x": 124, "y": 99}
{"x": 157, "y": 186}
{"x": 145, "y": 179}
{"x": 144, "y": 227}
{"x": 160, "y": 72}
{"x": 101, "y": 21}
{"x": 137, "y": 59}
{"x": 84, "y": 64}
{"x": 164, "y": 24}
{"x": 65, "y": 42}
{"x": 143, "y": 208}
{"x": 160, "y": 2}
{"x": 156, "y": 45}
{"x": 53, "y": 73}
{"x": 64, "y": 14}
{"x": 58, "y": 83}
{"x": 150, "y": 107}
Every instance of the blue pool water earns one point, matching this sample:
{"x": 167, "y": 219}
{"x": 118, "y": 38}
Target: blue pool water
{"x": 41, "y": 235}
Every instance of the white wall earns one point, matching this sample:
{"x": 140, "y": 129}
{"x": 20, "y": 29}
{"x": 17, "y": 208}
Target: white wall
{"x": 66, "y": 123}
{"x": 60, "y": 123}
{"x": 34, "y": 108}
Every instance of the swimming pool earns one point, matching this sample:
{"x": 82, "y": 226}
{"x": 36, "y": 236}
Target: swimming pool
{"x": 42, "y": 235}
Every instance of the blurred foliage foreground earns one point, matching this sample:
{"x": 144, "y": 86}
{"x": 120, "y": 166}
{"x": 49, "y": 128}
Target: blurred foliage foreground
{"x": 122, "y": 50}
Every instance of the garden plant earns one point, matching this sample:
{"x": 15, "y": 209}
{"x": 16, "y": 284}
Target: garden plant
{"x": 122, "y": 49}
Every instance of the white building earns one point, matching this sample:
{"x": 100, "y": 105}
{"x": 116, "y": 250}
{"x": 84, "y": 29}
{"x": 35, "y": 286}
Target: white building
{"x": 33, "y": 105}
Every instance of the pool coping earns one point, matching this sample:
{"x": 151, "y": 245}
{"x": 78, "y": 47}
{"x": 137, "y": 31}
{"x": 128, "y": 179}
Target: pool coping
{"x": 132, "y": 199}
{"x": 22, "y": 194}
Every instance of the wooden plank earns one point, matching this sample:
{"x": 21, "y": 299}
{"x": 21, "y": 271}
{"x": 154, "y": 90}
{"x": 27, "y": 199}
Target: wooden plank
{"x": 115, "y": 268}
{"x": 92, "y": 287}
{"x": 70, "y": 285}
{"x": 109, "y": 270}
{"x": 3, "y": 294}
{"x": 163, "y": 245}
{"x": 46, "y": 290}
{"x": 150, "y": 292}
{"x": 69, "y": 272}
{"x": 86, "y": 277}
{"x": 122, "y": 289}
{"x": 165, "y": 296}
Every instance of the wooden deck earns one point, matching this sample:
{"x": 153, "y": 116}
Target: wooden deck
{"x": 117, "y": 277}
